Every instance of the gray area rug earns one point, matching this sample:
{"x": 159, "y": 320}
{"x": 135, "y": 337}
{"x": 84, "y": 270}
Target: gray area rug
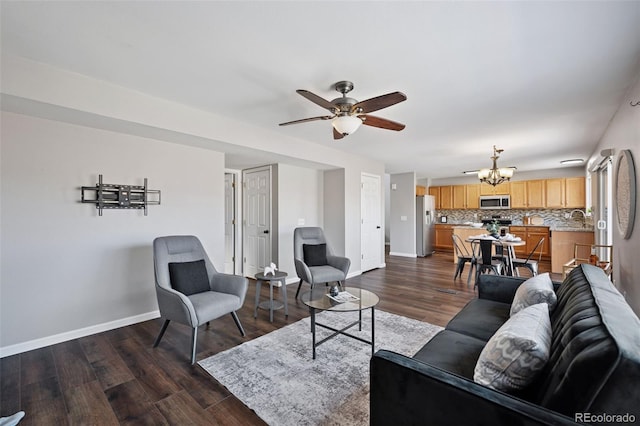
{"x": 275, "y": 376}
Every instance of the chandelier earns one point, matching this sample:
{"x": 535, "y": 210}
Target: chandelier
{"x": 495, "y": 176}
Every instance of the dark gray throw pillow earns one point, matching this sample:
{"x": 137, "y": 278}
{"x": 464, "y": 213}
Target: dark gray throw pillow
{"x": 189, "y": 277}
{"x": 315, "y": 254}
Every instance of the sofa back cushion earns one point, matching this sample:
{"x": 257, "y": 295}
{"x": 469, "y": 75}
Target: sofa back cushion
{"x": 594, "y": 362}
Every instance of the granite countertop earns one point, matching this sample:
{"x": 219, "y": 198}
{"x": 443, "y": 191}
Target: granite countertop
{"x": 572, "y": 229}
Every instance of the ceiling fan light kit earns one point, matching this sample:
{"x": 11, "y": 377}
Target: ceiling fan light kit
{"x": 346, "y": 124}
{"x": 349, "y": 114}
{"x": 495, "y": 176}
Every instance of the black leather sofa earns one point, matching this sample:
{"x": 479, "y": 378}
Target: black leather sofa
{"x": 592, "y": 376}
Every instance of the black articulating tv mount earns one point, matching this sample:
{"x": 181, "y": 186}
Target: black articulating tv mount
{"x": 114, "y": 196}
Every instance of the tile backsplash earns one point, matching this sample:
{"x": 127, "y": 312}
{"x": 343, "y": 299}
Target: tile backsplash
{"x": 553, "y": 218}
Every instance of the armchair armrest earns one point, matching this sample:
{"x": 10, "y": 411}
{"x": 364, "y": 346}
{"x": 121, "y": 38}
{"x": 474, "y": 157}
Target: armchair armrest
{"x": 405, "y": 391}
{"x": 338, "y": 262}
{"x": 302, "y": 270}
{"x": 230, "y": 284}
{"x": 176, "y": 306}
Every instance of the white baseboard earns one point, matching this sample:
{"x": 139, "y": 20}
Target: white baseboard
{"x": 75, "y": 334}
{"x": 393, "y": 253}
{"x": 353, "y": 274}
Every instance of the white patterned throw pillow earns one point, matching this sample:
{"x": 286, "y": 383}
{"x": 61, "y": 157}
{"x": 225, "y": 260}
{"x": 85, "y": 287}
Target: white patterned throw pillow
{"x": 517, "y": 352}
{"x": 538, "y": 289}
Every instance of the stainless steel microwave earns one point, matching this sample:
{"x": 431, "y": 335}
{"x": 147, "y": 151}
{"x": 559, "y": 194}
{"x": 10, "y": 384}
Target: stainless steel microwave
{"x": 495, "y": 202}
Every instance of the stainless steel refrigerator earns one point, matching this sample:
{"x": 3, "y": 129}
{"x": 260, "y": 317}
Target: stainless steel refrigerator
{"x": 425, "y": 224}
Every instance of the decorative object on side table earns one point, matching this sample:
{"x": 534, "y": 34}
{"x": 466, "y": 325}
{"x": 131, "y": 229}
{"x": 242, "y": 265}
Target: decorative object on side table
{"x": 625, "y": 193}
{"x": 271, "y": 269}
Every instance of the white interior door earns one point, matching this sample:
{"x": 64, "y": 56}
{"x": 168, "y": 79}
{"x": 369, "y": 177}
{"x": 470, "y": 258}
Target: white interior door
{"x": 257, "y": 220}
{"x": 372, "y": 243}
{"x": 229, "y": 223}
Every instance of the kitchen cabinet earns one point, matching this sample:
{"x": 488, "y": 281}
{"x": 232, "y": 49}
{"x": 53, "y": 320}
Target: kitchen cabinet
{"x": 435, "y": 191}
{"x": 528, "y": 194}
{"x": 472, "y": 196}
{"x": 575, "y": 193}
{"x": 555, "y": 193}
{"x": 446, "y": 197}
{"x": 502, "y": 189}
{"x": 459, "y": 195}
{"x": 421, "y": 190}
{"x": 443, "y": 236}
{"x": 562, "y": 243}
{"x": 531, "y": 235}
{"x": 565, "y": 193}
{"x": 535, "y": 193}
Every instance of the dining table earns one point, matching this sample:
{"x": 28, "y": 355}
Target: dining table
{"x": 505, "y": 242}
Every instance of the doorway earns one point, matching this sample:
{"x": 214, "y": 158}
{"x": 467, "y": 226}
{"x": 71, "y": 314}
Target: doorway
{"x": 604, "y": 214}
{"x": 257, "y": 226}
{"x": 371, "y": 236}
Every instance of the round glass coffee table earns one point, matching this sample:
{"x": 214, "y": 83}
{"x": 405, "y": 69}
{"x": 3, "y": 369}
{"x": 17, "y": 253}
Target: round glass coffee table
{"x": 318, "y": 300}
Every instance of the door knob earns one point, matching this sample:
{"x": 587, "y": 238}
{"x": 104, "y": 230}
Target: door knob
{"x": 378, "y": 227}
{"x": 266, "y": 231}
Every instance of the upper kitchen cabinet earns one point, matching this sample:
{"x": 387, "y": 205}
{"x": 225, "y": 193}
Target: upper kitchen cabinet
{"x": 574, "y": 191}
{"x": 466, "y": 196}
{"x": 528, "y": 194}
{"x": 473, "y": 196}
{"x": 435, "y": 191}
{"x": 420, "y": 190}
{"x": 565, "y": 193}
{"x": 503, "y": 189}
{"x": 555, "y": 193}
{"x": 446, "y": 197}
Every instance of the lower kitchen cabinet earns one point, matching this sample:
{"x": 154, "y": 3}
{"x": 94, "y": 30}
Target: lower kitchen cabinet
{"x": 443, "y": 237}
{"x": 532, "y": 234}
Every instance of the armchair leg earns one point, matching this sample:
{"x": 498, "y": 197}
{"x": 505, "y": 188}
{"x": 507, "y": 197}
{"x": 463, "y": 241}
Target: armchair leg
{"x": 194, "y": 339}
{"x": 298, "y": 291}
{"x": 237, "y": 321}
{"x": 162, "y": 330}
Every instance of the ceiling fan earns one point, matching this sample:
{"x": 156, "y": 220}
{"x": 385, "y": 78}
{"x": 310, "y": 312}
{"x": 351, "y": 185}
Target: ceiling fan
{"x": 349, "y": 114}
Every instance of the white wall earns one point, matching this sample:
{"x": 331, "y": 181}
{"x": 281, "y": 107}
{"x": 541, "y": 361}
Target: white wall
{"x": 300, "y": 204}
{"x": 624, "y": 133}
{"x": 334, "y": 210}
{"x": 64, "y": 268}
{"x": 403, "y": 215}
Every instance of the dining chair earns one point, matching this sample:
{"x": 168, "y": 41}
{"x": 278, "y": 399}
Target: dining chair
{"x": 463, "y": 256}
{"x": 531, "y": 263}
{"x": 485, "y": 261}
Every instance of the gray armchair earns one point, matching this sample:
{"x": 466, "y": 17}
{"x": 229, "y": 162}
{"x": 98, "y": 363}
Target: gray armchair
{"x": 334, "y": 269}
{"x": 225, "y": 293}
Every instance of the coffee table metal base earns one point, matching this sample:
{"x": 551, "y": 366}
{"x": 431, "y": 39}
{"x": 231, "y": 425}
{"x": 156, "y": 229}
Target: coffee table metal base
{"x": 342, "y": 331}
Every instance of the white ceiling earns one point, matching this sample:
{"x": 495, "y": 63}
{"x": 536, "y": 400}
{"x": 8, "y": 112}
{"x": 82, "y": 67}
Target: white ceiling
{"x": 539, "y": 79}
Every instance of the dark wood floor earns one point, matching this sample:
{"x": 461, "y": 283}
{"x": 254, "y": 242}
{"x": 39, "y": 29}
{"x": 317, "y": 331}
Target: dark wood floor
{"x": 116, "y": 377}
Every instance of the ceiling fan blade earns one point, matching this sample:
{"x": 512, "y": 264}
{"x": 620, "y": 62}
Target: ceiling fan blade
{"x": 337, "y": 134}
{"x": 317, "y": 99}
{"x": 379, "y": 102}
{"x": 382, "y": 123}
{"x": 304, "y": 120}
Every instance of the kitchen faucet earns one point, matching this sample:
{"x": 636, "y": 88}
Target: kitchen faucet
{"x": 584, "y": 216}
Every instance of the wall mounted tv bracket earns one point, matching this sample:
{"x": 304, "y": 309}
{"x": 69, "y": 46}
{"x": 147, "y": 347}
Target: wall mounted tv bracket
{"x": 113, "y": 196}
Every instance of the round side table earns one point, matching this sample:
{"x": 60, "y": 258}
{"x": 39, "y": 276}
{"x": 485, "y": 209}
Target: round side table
{"x": 271, "y": 304}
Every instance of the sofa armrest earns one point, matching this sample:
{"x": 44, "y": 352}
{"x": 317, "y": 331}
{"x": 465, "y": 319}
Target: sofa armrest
{"x": 405, "y": 391}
